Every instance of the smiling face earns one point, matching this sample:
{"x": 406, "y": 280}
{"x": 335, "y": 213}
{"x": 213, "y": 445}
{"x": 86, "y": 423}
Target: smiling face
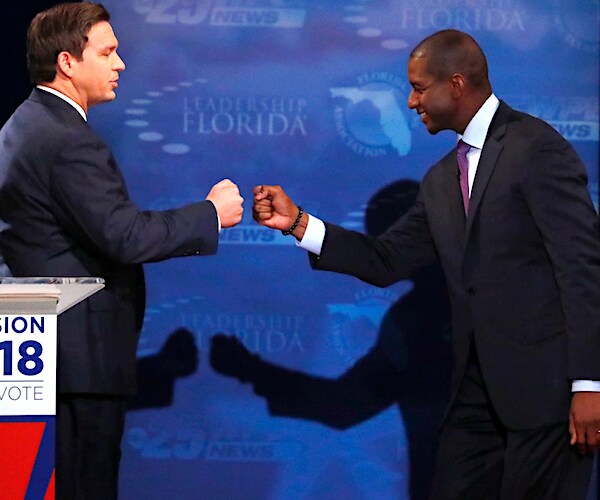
{"x": 431, "y": 97}
{"x": 95, "y": 76}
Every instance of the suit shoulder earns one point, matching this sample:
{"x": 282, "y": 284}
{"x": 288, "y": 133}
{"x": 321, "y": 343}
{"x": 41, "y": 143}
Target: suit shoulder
{"x": 533, "y": 144}
{"x": 52, "y": 124}
{"x": 448, "y": 161}
{"x": 532, "y": 128}
{"x": 32, "y": 118}
{"x": 40, "y": 136}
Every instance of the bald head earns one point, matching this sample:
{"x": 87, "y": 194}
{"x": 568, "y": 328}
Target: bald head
{"x": 451, "y": 51}
{"x": 449, "y": 76}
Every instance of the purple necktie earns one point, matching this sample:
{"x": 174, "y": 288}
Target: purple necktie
{"x": 463, "y": 167}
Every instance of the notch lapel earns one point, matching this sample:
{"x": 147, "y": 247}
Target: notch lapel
{"x": 487, "y": 162}
{"x": 449, "y": 201}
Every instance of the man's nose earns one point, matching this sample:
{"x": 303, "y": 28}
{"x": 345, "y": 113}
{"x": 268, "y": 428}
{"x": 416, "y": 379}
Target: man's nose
{"x": 412, "y": 100}
{"x": 119, "y": 63}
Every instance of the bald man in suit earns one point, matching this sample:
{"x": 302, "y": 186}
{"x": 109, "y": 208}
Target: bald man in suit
{"x": 512, "y": 223}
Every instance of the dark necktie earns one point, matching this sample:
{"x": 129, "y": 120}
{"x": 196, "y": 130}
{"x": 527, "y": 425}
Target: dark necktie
{"x": 463, "y": 167}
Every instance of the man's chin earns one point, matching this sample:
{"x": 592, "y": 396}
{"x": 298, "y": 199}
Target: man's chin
{"x": 432, "y": 129}
{"x": 110, "y": 96}
{"x": 429, "y": 125}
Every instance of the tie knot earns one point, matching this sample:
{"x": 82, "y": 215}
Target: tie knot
{"x": 462, "y": 148}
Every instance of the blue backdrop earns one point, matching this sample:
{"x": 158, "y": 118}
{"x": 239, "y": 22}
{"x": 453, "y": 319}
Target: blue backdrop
{"x": 310, "y": 95}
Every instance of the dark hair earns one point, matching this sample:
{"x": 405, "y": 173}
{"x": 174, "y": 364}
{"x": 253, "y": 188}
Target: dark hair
{"x": 63, "y": 27}
{"x": 452, "y": 51}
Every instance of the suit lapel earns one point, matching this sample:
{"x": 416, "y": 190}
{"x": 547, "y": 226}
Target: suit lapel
{"x": 450, "y": 201}
{"x": 455, "y": 201}
{"x": 487, "y": 162}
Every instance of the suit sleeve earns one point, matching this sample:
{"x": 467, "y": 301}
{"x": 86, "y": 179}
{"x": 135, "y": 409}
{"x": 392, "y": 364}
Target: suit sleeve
{"x": 557, "y": 195}
{"x": 91, "y": 201}
{"x": 403, "y": 249}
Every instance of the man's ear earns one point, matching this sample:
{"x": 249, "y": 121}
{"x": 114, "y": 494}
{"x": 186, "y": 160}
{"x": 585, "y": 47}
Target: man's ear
{"x": 457, "y": 85}
{"x": 64, "y": 63}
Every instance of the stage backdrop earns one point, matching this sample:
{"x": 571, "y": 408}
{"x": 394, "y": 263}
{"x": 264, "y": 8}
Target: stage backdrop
{"x": 310, "y": 95}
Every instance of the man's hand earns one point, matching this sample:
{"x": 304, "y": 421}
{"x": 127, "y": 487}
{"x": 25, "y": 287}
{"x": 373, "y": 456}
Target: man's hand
{"x": 584, "y": 421}
{"x": 274, "y": 209}
{"x": 226, "y": 198}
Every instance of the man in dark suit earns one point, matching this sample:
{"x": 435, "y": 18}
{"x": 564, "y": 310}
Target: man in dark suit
{"x": 517, "y": 236}
{"x": 66, "y": 212}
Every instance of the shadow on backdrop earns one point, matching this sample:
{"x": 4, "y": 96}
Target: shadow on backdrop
{"x": 409, "y": 365}
{"x": 156, "y": 374}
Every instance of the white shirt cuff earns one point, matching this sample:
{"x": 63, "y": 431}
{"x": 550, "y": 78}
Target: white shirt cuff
{"x": 585, "y": 386}
{"x": 219, "y": 223}
{"x": 313, "y": 236}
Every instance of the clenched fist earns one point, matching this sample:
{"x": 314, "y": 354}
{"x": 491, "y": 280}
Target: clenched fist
{"x": 227, "y": 200}
{"x": 273, "y": 208}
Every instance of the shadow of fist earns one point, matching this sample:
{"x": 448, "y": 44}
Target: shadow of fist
{"x": 229, "y": 357}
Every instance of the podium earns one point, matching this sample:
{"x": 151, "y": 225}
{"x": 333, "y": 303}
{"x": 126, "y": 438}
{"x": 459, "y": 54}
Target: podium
{"x": 28, "y": 375}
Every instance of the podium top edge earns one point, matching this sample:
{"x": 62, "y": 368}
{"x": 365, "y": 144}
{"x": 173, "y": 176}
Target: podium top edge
{"x": 85, "y": 280}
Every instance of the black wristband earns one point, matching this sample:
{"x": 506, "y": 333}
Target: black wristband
{"x": 296, "y": 222}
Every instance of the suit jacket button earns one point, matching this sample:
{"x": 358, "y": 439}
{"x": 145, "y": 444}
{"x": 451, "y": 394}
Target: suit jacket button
{"x": 471, "y": 291}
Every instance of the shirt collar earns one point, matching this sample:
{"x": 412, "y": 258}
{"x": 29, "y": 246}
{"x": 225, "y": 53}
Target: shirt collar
{"x": 477, "y": 129}
{"x": 64, "y": 98}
